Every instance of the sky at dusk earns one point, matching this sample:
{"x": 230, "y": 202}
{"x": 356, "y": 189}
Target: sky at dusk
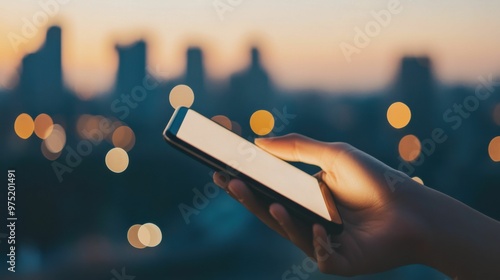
{"x": 300, "y": 40}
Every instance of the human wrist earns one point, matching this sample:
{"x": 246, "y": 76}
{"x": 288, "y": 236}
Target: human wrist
{"x": 449, "y": 233}
{"x": 418, "y": 204}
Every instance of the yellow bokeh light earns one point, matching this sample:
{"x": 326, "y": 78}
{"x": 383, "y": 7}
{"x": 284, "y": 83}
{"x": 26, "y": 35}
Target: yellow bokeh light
{"x": 496, "y": 114}
{"x": 144, "y": 235}
{"x": 117, "y": 160}
{"x": 494, "y": 149}
{"x": 123, "y": 137}
{"x": 409, "y": 147}
{"x": 224, "y": 121}
{"x": 43, "y": 126}
{"x": 262, "y": 122}
{"x": 48, "y": 154}
{"x": 155, "y": 234}
{"x": 56, "y": 140}
{"x": 398, "y": 115}
{"x": 133, "y": 237}
{"x": 181, "y": 95}
{"x": 150, "y": 235}
{"x": 24, "y": 126}
{"x": 418, "y": 180}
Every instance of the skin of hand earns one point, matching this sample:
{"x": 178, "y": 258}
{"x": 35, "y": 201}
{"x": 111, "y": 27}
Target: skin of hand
{"x": 389, "y": 219}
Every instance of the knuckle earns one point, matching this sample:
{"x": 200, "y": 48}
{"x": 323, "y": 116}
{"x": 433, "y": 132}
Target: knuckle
{"x": 342, "y": 146}
{"x": 294, "y": 136}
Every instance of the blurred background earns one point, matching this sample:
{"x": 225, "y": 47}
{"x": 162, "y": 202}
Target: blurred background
{"x": 87, "y": 87}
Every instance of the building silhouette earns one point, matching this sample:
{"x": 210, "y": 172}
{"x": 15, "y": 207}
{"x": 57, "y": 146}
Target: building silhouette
{"x": 415, "y": 86}
{"x": 250, "y": 90}
{"x": 132, "y": 62}
{"x": 253, "y": 83}
{"x": 41, "y": 86}
{"x": 93, "y": 201}
{"x": 195, "y": 70}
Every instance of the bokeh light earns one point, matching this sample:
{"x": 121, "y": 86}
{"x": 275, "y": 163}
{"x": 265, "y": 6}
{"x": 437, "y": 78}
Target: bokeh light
{"x": 56, "y": 140}
{"x": 87, "y": 126}
{"x": 117, "y": 160}
{"x": 494, "y": 149}
{"x": 123, "y": 137}
{"x": 236, "y": 127}
{"x": 262, "y": 122}
{"x": 142, "y": 236}
{"x": 409, "y": 147}
{"x": 81, "y": 124}
{"x": 224, "y": 121}
{"x": 150, "y": 235}
{"x": 48, "y": 154}
{"x": 43, "y": 126}
{"x": 398, "y": 115}
{"x": 133, "y": 237}
{"x": 418, "y": 180}
{"x": 181, "y": 95}
{"x": 116, "y": 124}
{"x": 24, "y": 126}
{"x": 496, "y": 114}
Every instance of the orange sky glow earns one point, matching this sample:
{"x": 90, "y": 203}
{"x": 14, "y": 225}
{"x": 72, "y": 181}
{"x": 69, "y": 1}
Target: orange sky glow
{"x": 300, "y": 41}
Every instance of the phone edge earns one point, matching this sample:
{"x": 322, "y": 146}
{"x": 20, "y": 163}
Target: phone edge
{"x": 170, "y": 137}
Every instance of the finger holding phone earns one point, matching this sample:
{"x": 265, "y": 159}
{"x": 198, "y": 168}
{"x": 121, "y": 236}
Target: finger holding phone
{"x": 378, "y": 232}
{"x": 351, "y": 217}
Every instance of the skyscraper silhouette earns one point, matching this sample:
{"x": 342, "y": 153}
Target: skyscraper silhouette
{"x": 253, "y": 82}
{"x": 41, "y": 81}
{"x": 132, "y": 61}
{"x": 415, "y": 87}
{"x": 250, "y": 89}
{"x": 195, "y": 73}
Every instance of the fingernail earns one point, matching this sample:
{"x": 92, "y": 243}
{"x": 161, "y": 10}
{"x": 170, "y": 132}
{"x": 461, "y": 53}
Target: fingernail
{"x": 275, "y": 217}
{"x": 234, "y": 192}
{"x": 222, "y": 178}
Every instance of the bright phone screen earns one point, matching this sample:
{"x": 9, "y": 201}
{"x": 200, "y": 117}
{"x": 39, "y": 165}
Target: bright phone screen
{"x": 248, "y": 159}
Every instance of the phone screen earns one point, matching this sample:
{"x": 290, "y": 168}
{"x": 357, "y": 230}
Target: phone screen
{"x": 250, "y": 160}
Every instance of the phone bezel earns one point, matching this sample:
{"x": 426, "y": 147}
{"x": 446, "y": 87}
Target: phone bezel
{"x": 170, "y": 135}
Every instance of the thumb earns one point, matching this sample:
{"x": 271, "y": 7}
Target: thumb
{"x": 296, "y": 147}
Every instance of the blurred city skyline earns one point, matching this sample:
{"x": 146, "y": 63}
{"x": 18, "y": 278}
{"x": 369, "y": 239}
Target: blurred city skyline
{"x": 95, "y": 168}
{"x": 299, "y": 42}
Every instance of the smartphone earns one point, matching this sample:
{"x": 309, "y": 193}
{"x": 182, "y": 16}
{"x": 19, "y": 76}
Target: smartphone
{"x": 301, "y": 194}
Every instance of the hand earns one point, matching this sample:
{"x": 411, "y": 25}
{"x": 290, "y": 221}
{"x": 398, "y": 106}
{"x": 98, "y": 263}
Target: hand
{"x": 381, "y": 230}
